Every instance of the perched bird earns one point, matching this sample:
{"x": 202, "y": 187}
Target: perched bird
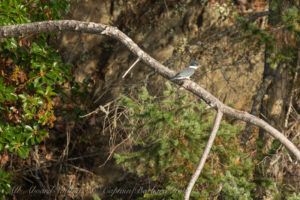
{"x": 187, "y": 72}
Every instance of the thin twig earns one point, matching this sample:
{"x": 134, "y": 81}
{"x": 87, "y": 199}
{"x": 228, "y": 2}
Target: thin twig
{"x": 167, "y": 8}
{"x": 65, "y": 153}
{"x": 86, "y": 156}
{"x": 89, "y": 114}
{"x": 96, "y": 111}
{"x": 137, "y": 60}
{"x": 292, "y": 92}
{"x": 80, "y": 169}
{"x": 204, "y": 156}
{"x": 112, "y": 151}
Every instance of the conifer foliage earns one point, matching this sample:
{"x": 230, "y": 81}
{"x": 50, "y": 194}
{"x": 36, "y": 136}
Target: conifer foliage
{"x": 170, "y": 134}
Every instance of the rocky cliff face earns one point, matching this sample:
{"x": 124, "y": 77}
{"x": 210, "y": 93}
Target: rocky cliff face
{"x": 170, "y": 31}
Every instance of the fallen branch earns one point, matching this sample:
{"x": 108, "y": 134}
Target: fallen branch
{"x": 204, "y": 156}
{"x": 94, "y": 28}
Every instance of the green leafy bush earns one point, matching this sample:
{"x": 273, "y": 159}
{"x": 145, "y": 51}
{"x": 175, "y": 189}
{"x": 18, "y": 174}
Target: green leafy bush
{"x": 169, "y": 135}
{"x": 5, "y": 182}
{"x": 30, "y": 74}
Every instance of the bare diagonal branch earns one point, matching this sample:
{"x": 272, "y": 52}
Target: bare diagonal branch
{"x": 205, "y": 155}
{"x": 95, "y": 28}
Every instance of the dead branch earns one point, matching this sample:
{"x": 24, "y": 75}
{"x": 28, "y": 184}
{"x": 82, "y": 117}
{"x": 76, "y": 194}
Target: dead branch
{"x": 204, "y": 156}
{"x": 113, "y": 150}
{"x": 130, "y": 68}
{"x": 80, "y": 169}
{"x": 292, "y": 92}
{"x": 95, "y": 28}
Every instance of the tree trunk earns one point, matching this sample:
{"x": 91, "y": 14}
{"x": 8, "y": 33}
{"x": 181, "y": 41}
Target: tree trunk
{"x": 274, "y": 108}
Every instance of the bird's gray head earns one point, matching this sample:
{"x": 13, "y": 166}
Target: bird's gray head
{"x": 194, "y": 64}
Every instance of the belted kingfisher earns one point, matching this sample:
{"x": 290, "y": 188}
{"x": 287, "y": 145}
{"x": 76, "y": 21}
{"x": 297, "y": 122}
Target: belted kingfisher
{"x": 187, "y": 72}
